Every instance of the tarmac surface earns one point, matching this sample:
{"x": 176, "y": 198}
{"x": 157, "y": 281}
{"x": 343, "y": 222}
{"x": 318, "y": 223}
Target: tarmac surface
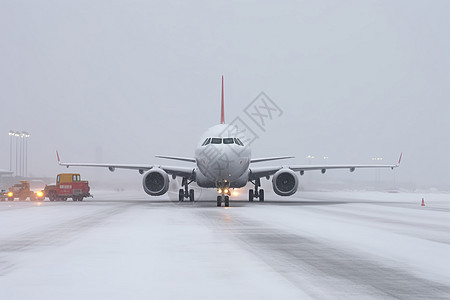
{"x": 342, "y": 245}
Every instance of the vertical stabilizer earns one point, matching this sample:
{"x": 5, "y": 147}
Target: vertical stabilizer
{"x": 222, "y": 114}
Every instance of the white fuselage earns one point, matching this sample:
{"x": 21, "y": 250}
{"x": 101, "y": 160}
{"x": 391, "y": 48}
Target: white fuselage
{"x": 222, "y": 159}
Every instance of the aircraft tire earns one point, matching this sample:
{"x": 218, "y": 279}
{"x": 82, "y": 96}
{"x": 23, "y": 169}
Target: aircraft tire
{"x": 180, "y": 195}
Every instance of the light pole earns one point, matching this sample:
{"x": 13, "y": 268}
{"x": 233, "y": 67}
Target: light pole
{"x": 17, "y": 135}
{"x": 21, "y": 153}
{"x": 26, "y": 136}
{"x": 11, "y": 134}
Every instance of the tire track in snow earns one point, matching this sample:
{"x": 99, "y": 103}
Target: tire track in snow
{"x": 54, "y": 235}
{"x": 324, "y": 270}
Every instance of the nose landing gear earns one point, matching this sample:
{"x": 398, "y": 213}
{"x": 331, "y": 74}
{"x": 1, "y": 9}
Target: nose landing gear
{"x": 225, "y": 195}
{"x": 226, "y": 201}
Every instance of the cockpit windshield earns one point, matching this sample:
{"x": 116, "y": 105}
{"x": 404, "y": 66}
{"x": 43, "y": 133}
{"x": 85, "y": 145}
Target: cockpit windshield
{"x": 206, "y": 142}
{"x": 238, "y": 141}
{"x": 226, "y": 141}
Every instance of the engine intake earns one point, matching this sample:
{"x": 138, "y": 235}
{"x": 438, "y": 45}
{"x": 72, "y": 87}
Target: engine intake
{"x": 156, "y": 182}
{"x": 285, "y": 182}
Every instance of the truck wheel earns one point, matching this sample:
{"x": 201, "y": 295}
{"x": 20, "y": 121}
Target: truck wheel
{"x": 10, "y": 199}
{"x": 52, "y": 196}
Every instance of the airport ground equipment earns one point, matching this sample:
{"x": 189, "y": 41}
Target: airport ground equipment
{"x": 68, "y": 185}
{"x": 22, "y": 191}
{"x": 3, "y": 195}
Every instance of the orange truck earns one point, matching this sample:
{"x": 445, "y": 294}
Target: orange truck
{"x": 68, "y": 185}
{"x": 22, "y": 191}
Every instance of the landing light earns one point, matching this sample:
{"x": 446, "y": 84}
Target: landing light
{"x": 39, "y": 194}
{"x": 225, "y": 191}
{"x": 219, "y": 191}
{"x": 10, "y": 194}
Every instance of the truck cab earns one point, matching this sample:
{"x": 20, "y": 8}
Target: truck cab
{"x": 68, "y": 185}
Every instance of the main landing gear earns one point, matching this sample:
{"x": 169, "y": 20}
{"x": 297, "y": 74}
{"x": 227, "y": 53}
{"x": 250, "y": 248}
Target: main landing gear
{"x": 185, "y": 193}
{"x": 257, "y": 193}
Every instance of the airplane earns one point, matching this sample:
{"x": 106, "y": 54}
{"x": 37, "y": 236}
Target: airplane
{"x": 222, "y": 161}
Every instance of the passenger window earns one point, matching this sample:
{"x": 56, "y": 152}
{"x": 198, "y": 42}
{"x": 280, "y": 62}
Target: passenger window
{"x": 216, "y": 141}
{"x": 74, "y": 178}
{"x": 228, "y": 141}
{"x": 240, "y": 143}
{"x": 78, "y": 178}
{"x": 57, "y": 179}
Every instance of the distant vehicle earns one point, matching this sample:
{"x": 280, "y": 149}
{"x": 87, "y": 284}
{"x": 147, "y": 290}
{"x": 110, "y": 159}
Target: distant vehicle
{"x": 68, "y": 185}
{"x": 22, "y": 191}
{"x": 3, "y": 195}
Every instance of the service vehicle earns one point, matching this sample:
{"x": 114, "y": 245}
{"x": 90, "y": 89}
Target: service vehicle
{"x": 23, "y": 191}
{"x": 3, "y": 195}
{"x": 68, "y": 185}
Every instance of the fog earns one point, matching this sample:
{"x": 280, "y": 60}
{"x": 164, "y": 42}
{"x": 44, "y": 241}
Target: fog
{"x": 122, "y": 81}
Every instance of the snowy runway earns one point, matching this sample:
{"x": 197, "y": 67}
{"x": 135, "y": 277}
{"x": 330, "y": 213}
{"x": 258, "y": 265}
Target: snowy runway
{"x": 314, "y": 245}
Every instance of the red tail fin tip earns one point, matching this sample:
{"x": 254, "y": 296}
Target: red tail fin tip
{"x": 222, "y": 114}
{"x": 57, "y": 155}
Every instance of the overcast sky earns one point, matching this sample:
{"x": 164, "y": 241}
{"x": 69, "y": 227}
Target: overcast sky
{"x": 122, "y": 81}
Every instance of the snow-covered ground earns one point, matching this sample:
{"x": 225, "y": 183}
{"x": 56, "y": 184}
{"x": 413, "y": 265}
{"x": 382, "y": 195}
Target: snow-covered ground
{"x": 320, "y": 245}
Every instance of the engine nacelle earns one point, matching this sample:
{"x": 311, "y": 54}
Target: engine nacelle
{"x": 156, "y": 182}
{"x": 285, "y": 182}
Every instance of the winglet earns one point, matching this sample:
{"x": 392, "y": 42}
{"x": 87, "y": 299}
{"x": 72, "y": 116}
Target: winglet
{"x": 222, "y": 114}
{"x": 57, "y": 155}
{"x": 400, "y": 158}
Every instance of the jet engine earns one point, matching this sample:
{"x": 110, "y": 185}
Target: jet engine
{"x": 285, "y": 182}
{"x": 156, "y": 182}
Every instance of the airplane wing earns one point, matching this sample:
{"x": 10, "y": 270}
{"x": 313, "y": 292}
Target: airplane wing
{"x": 177, "y": 158}
{"x": 171, "y": 170}
{"x": 259, "y": 172}
{"x": 256, "y": 160}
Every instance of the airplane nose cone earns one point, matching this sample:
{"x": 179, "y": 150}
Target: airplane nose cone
{"x": 226, "y": 165}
